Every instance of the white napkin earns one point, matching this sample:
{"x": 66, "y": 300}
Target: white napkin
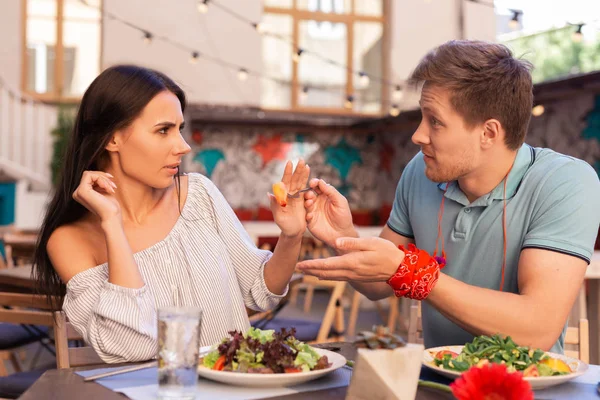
{"x": 386, "y": 374}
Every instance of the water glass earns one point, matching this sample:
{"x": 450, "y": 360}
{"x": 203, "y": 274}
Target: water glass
{"x": 178, "y": 344}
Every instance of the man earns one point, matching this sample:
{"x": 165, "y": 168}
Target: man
{"x": 514, "y": 225}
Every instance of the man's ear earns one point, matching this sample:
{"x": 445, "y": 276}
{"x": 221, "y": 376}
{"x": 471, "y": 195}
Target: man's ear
{"x": 492, "y": 133}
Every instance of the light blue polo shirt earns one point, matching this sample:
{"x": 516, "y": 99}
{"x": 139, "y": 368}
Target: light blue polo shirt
{"x": 553, "y": 202}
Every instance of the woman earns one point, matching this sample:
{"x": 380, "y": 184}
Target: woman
{"x": 127, "y": 234}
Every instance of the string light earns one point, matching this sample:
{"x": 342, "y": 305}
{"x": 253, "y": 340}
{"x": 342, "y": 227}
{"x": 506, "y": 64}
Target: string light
{"x": 394, "y": 110}
{"x": 260, "y": 27}
{"x": 514, "y": 21}
{"x": 537, "y": 110}
{"x": 397, "y": 93}
{"x": 364, "y": 79}
{"x": 578, "y": 35}
{"x": 202, "y": 6}
{"x": 304, "y": 94}
{"x": 243, "y": 74}
{"x": 297, "y": 54}
{"x": 349, "y": 101}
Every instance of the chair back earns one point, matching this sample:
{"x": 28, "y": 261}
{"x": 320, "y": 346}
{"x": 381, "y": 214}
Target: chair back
{"x": 27, "y": 309}
{"x": 415, "y": 324}
{"x": 68, "y": 357}
{"x": 577, "y": 341}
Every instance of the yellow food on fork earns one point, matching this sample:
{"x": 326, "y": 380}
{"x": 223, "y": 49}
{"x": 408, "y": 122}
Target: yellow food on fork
{"x": 280, "y": 192}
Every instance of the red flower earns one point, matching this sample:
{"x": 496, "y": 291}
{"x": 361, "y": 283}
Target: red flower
{"x": 491, "y": 382}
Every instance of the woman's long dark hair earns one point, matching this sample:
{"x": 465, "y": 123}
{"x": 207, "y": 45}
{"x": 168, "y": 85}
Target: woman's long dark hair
{"x": 113, "y": 100}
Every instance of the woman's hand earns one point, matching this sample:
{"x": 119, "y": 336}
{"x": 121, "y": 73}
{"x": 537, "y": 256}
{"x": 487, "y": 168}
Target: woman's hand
{"x": 291, "y": 219}
{"x": 96, "y": 193}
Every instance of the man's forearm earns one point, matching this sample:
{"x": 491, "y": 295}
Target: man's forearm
{"x": 482, "y": 311}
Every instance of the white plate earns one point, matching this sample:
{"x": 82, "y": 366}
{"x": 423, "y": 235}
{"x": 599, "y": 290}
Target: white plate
{"x": 272, "y": 380}
{"x": 541, "y": 382}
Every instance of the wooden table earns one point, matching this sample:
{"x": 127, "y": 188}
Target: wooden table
{"x": 258, "y": 229}
{"x": 17, "y": 279}
{"x": 66, "y": 385}
{"x": 19, "y": 246}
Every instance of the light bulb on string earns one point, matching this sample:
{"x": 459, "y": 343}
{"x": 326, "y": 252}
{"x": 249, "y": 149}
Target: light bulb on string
{"x": 304, "y": 94}
{"x": 578, "y": 35}
{"x": 538, "y": 110}
{"x": 394, "y": 110}
{"x": 194, "y": 57}
{"x": 242, "y": 74}
{"x": 349, "y": 101}
{"x": 297, "y": 54}
{"x": 260, "y": 27}
{"x": 147, "y": 37}
{"x": 202, "y": 6}
{"x": 397, "y": 93}
{"x": 514, "y": 21}
{"x": 364, "y": 79}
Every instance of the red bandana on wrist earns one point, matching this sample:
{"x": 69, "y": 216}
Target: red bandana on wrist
{"x": 417, "y": 274}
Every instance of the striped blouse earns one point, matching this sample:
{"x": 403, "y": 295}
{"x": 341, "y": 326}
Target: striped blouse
{"x": 207, "y": 260}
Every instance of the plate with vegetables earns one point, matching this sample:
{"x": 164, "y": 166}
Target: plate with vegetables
{"x": 265, "y": 358}
{"x": 541, "y": 369}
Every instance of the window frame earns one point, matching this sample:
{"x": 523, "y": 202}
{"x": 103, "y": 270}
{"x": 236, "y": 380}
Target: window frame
{"x": 349, "y": 19}
{"x": 56, "y": 96}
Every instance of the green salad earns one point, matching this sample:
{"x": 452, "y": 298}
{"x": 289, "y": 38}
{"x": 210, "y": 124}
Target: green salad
{"x": 264, "y": 352}
{"x": 497, "y": 349}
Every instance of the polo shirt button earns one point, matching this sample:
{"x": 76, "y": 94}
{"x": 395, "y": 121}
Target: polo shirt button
{"x": 467, "y": 210}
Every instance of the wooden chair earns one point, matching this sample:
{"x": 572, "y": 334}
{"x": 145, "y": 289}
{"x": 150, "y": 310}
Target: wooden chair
{"x": 23, "y": 314}
{"x": 68, "y": 357}
{"x": 577, "y": 339}
{"x": 331, "y": 328}
{"x": 310, "y": 249}
{"x": 394, "y": 315}
{"x": 31, "y": 309}
{"x": 415, "y": 325}
{"x": 334, "y": 313}
{"x": 19, "y": 248}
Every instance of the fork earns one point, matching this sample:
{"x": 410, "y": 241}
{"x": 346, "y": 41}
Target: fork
{"x": 297, "y": 194}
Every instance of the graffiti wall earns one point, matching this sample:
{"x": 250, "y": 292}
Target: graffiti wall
{"x": 244, "y": 163}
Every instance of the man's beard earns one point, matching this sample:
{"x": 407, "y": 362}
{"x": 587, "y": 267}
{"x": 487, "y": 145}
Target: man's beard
{"x": 449, "y": 173}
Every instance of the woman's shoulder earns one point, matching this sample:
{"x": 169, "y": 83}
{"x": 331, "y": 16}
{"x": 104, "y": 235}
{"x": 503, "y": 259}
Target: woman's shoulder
{"x": 73, "y": 247}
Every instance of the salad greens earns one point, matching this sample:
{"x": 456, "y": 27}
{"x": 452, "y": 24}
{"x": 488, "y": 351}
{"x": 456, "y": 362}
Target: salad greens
{"x": 496, "y": 349}
{"x": 264, "y": 351}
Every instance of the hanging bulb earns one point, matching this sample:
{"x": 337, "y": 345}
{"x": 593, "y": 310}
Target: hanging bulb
{"x": 514, "y": 21}
{"x": 194, "y": 57}
{"x": 304, "y": 94}
{"x": 364, "y": 79}
{"x": 147, "y": 37}
{"x": 349, "y": 102}
{"x": 578, "y": 35}
{"x": 394, "y": 110}
{"x": 297, "y": 54}
{"x": 397, "y": 94}
{"x": 537, "y": 110}
{"x": 202, "y": 6}
{"x": 260, "y": 27}
{"x": 242, "y": 74}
